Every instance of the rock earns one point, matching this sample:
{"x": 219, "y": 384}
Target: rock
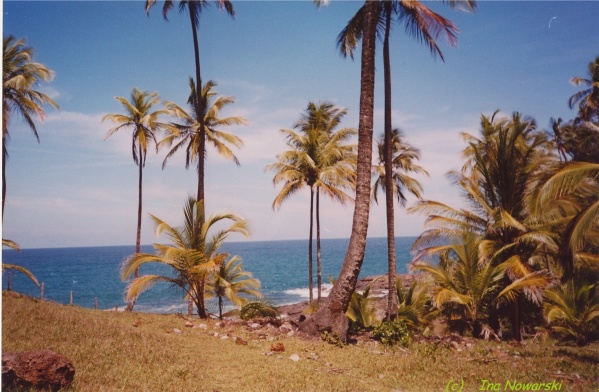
{"x": 294, "y": 357}
{"x": 255, "y": 325}
{"x": 224, "y": 337}
{"x": 202, "y": 326}
{"x": 137, "y": 323}
{"x": 189, "y": 324}
{"x": 177, "y": 331}
{"x": 277, "y": 347}
{"x": 40, "y": 369}
{"x": 240, "y": 342}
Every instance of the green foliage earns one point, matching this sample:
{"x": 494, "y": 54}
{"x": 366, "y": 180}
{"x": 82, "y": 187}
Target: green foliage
{"x": 572, "y": 309}
{"x": 230, "y": 281}
{"x": 258, "y": 309}
{"x": 332, "y": 338}
{"x": 391, "y": 333}
{"x": 413, "y": 304}
{"x": 361, "y": 312}
{"x": 15, "y": 246}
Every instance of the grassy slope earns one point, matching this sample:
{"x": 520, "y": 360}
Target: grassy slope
{"x": 109, "y": 353}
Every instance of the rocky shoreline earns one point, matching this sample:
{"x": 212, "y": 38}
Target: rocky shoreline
{"x": 378, "y": 289}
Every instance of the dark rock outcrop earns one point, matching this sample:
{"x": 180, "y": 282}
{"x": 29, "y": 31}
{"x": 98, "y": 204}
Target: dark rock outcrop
{"x": 39, "y": 369}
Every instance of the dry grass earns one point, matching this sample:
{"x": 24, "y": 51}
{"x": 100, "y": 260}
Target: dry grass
{"x": 110, "y": 354}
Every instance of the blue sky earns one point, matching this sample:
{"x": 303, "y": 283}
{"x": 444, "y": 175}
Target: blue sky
{"x": 75, "y": 189}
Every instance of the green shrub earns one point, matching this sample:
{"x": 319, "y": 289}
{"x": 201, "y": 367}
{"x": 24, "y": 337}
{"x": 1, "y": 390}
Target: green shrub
{"x": 332, "y": 338}
{"x": 391, "y": 333}
{"x": 258, "y": 309}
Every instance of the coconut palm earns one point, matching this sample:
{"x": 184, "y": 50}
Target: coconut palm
{"x": 576, "y": 140}
{"x": 193, "y": 253}
{"x": 194, "y": 8}
{"x": 402, "y": 162}
{"x": 424, "y": 25}
{"x": 572, "y": 309}
{"x": 233, "y": 283}
{"x": 499, "y": 167}
{"x": 10, "y": 267}
{"x": 187, "y": 135}
{"x": 320, "y": 159}
{"x": 569, "y": 196}
{"x": 143, "y": 124}
{"x": 20, "y": 75}
{"x": 468, "y": 286}
{"x": 332, "y": 317}
{"x": 588, "y": 98}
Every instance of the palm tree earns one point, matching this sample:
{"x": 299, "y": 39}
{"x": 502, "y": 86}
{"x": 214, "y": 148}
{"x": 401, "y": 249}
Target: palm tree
{"x": 587, "y": 99}
{"x": 194, "y": 253}
{"x": 194, "y": 8}
{"x": 467, "y": 285}
{"x": 424, "y": 25}
{"x": 402, "y": 163}
{"x": 25, "y": 271}
{"x": 143, "y": 122}
{"x": 20, "y": 75}
{"x": 569, "y": 196}
{"x": 188, "y": 133}
{"x": 572, "y": 309}
{"x": 233, "y": 283}
{"x": 318, "y": 159}
{"x": 332, "y": 317}
{"x": 495, "y": 178}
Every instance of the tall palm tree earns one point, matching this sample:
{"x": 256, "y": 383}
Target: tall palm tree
{"x": 194, "y": 8}
{"x": 143, "y": 123}
{"x": 403, "y": 156}
{"x": 233, "y": 283}
{"x": 194, "y": 253}
{"x": 20, "y": 75}
{"x": 332, "y": 316}
{"x": 188, "y": 134}
{"x": 424, "y": 25}
{"x": 587, "y": 99}
{"x": 320, "y": 159}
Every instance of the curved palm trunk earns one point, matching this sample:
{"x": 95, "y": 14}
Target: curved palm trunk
{"x": 318, "y": 258}
{"x": 331, "y": 317}
{"x": 392, "y": 299}
{"x": 220, "y": 307}
{"x": 131, "y": 304}
{"x": 310, "y": 272}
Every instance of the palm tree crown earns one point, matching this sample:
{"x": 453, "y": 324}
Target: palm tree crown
{"x": 587, "y": 99}
{"x": 403, "y": 157}
{"x": 188, "y": 133}
{"x": 19, "y": 77}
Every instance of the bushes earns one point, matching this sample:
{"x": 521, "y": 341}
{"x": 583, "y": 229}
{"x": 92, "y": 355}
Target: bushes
{"x": 391, "y": 333}
{"x": 258, "y": 309}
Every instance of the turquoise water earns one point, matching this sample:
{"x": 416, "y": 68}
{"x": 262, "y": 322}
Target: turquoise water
{"x": 281, "y": 266}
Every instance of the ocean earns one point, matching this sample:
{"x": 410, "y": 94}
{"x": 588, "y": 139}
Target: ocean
{"x": 93, "y": 272}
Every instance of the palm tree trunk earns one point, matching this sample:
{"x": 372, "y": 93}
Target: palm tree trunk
{"x": 392, "y": 300}
{"x": 199, "y": 111}
{"x": 516, "y": 319}
{"x": 220, "y": 307}
{"x": 4, "y": 152}
{"x": 331, "y": 317}
{"x": 318, "y": 258}
{"x": 131, "y": 304}
{"x": 310, "y": 272}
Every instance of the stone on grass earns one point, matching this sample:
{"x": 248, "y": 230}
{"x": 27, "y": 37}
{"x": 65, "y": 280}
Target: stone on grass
{"x": 294, "y": 357}
{"x": 277, "y": 347}
{"x": 39, "y": 369}
{"x": 177, "y": 331}
{"x": 240, "y": 342}
{"x": 189, "y": 324}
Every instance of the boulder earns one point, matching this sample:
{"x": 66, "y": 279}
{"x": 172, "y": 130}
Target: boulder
{"x": 39, "y": 369}
{"x": 277, "y": 347}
